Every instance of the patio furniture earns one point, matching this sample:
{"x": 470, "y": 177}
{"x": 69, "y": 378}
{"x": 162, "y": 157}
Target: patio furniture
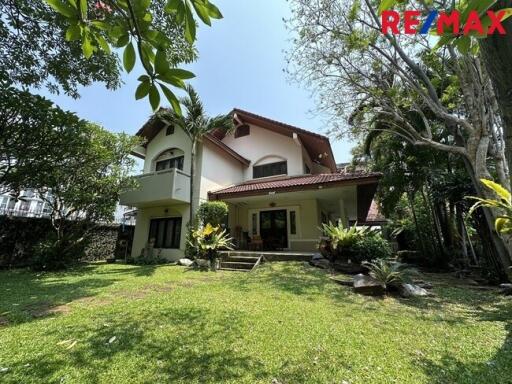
{"x": 256, "y": 243}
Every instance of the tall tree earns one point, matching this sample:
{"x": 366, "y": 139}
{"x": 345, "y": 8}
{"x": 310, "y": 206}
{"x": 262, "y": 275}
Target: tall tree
{"x": 341, "y": 51}
{"x": 196, "y": 124}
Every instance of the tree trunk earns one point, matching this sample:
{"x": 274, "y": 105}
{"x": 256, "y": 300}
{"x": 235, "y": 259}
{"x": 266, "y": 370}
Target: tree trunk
{"x": 192, "y": 176}
{"x": 497, "y": 54}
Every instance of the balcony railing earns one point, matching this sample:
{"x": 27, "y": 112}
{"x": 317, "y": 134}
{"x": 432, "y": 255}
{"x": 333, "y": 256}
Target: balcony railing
{"x": 155, "y": 188}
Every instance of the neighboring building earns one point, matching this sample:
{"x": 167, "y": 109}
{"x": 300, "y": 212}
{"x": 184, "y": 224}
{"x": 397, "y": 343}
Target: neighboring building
{"x": 280, "y": 183}
{"x": 27, "y": 204}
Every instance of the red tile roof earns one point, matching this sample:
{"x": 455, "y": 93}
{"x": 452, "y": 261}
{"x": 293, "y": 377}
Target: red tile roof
{"x": 374, "y": 214}
{"x": 297, "y": 183}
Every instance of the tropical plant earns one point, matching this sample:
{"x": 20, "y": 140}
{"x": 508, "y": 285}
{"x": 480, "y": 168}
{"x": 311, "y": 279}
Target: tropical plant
{"x": 196, "y": 124}
{"x": 503, "y": 204}
{"x": 213, "y": 212}
{"x": 342, "y": 237}
{"x": 389, "y": 272}
{"x": 209, "y": 240}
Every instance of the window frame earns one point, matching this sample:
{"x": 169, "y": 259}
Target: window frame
{"x": 256, "y": 169}
{"x": 172, "y": 160}
{"x": 176, "y": 232}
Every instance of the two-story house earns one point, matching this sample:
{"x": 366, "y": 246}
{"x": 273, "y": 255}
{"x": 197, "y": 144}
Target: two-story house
{"x": 280, "y": 183}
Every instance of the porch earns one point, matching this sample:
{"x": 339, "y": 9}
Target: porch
{"x": 285, "y": 214}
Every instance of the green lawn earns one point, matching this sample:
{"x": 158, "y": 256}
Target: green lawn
{"x": 285, "y": 323}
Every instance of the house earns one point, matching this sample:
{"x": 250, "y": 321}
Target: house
{"x": 27, "y": 204}
{"x": 280, "y": 183}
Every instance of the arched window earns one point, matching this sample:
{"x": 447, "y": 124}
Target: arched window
{"x": 271, "y": 165}
{"x": 171, "y": 158}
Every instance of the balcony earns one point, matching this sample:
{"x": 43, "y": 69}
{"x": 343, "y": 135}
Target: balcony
{"x": 163, "y": 187}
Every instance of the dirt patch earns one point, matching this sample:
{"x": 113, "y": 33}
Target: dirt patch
{"x": 38, "y": 310}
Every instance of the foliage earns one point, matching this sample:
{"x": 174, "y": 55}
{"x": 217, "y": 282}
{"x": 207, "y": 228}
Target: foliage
{"x": 196, "y": 124}
{"x": 53, "y": 253}
{"x": 342, "y": 237}
{"x": 133, "y": 26}
{"x": 369, "y": 247}
{"x": 210, "y": 240}
{"x": 503, "y": 203}
{"x": 390, "y": 273}
{"x": 152, "y": 257}
{"x": 241, "y": 328}
{"x": 213, "y": 212}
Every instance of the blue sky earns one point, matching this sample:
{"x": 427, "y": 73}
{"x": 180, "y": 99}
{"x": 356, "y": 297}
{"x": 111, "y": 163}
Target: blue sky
{"x": 241, "y": 62}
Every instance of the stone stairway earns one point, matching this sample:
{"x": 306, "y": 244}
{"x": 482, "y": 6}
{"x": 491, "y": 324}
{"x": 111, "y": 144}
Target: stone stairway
{"x": 235, "y": 261}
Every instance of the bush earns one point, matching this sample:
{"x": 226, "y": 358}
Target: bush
{"x": 52, "y": 255}
{"x": 213, "y": 212}
{"x": 370, "y": 247}
{"x": 390, "y": 273}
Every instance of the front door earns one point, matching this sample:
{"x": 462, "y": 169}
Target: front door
{"x": 273, "y": 229}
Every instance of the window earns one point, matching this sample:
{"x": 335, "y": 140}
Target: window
{"x": 176, "y": 162}
{"x": 293, "y": 223}
{"x": 243, "y": 130}
{"x": 169, "y": 130}
{"x": 166, "y": 233}
{"x": 254, "y": 224}
{"x": 272, "y": 169}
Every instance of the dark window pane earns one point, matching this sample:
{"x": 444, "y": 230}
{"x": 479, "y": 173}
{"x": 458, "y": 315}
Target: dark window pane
{"x": 177, "y": 233}
{"x": 243, "y": 130}
{"x": 169, "y": 232}
{"x": 293, "y": 223}
{"x": 169, "y": 130}
{"x": 177, "y": 162}
{"x": 272, "y": 169}
{"x": 165, "y": 232}
{"x": 254, "y": 224}
{"x": 163, "y": 164}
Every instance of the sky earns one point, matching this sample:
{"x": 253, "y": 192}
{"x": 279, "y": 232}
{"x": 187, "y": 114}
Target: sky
{"x": 240, "y": 64}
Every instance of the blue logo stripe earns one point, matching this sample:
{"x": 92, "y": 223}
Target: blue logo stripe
{"x": 428, "y": 23}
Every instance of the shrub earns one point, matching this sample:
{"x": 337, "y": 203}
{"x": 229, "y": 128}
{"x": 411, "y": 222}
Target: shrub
{"x": 390, "y": 273}
{"x": 370, "y": 247}
{"x": 213, "y": 212}
{"x": 52, "y": 254}
{"x": 342, "y": 237}
{"x": 209, "y": 240}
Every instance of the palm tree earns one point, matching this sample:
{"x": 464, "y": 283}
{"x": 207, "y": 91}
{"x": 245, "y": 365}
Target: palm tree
{"x": 196, "y": 124}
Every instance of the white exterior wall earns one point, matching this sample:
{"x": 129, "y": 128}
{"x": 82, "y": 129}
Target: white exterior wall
{"x": 161, "y": 143}
{"x": 144, "y": 216}
{"x": 263, "y": 146}
{"x": 218, "y": 170}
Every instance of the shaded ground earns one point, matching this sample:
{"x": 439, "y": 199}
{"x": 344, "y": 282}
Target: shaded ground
{"x": 285, "y": 322}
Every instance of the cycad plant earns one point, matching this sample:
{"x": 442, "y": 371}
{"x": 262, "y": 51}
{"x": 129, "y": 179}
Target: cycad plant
{"x": 389, "y": 272}
{"x": 503, "y": 204}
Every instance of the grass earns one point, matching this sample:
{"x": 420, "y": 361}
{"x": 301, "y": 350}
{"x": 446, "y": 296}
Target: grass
{"x": 285, "y": 323}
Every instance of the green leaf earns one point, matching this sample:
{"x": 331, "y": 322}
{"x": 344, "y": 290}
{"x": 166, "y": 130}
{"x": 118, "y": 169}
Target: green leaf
{"x": 83, "y": 9}
{"x": 105, "y": 47}
{"x": 464, "y": 44}
{"x": 171, "y": 80}
{"x": 172, "y": 6}
{"x": 213, "y": 11}
{"x": 202, "y": 11}
{"x": 74, "y": 32}
{"x": 129, "y": 57}
{"x": 87, "y": 47}
{"x": 122, "y": 40}
{"x": 143, "y": 78}
{"x": 161, "y": 63}
{"x": 500, "y": 223}
{"x": 190, "y": 25}
{"x": 498, "y": 189}
{"x": 154, "y": 97}
{"x": 385, "y": 5}
{"x": 62, "y": 8}
{"x": 180, "y": 73}
{"x": 142, "y": 90}
{"x": 172, "y": 99}
{"x": 100, "y": 25}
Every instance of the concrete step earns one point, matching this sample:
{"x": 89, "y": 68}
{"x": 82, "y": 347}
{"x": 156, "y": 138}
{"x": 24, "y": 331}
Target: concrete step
{"x": 236, "y": 265}
{"x": 242, "y": 259}
{"x": 234, "y": 270}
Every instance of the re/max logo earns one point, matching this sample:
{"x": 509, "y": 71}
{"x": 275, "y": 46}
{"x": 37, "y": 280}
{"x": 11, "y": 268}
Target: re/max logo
{"x": 447, "y": 23}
